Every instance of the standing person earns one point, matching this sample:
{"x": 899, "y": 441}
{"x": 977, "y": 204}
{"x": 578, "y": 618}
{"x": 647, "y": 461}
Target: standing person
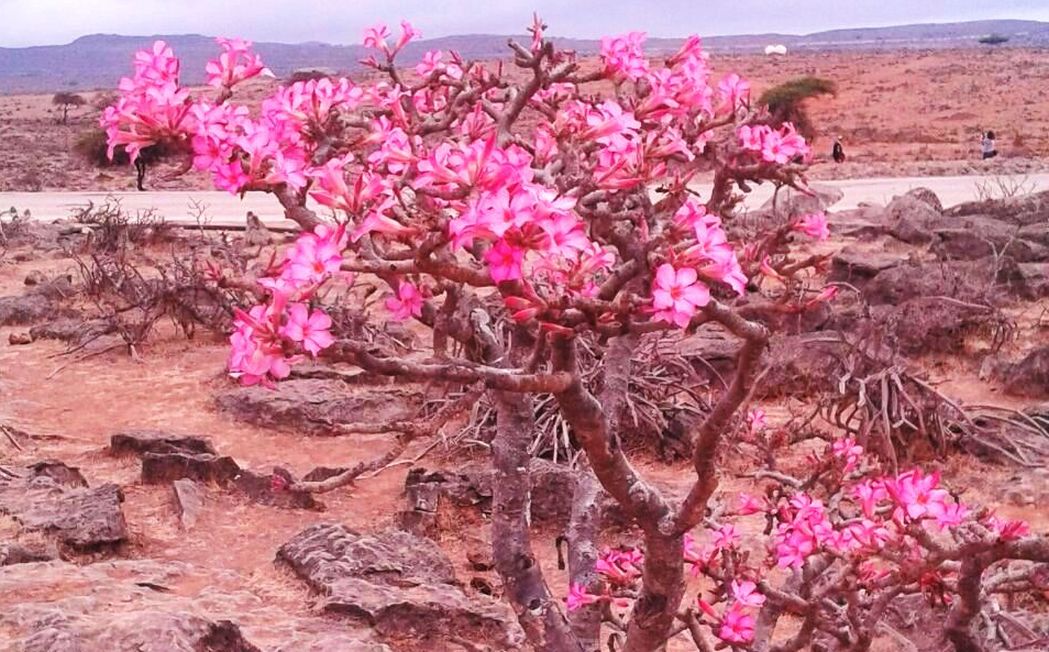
{"x": 987, "y": 146}
{"x": 838, "y": 152}
{"x": 146, "y": 157}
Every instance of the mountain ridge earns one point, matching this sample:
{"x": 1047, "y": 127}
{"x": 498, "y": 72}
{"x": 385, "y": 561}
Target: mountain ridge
{"x": 99, "y": 60}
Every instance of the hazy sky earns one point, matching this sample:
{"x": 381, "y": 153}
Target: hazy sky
{"x": 40, "y": 22}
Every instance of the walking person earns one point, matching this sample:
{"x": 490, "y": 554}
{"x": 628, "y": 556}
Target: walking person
{"x": 988, "y": 148}
{"x": 837, "y": 152}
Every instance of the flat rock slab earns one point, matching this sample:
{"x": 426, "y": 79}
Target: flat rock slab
{"x": 400, "y": 584}
{"x": 160, "y": 468}
{"x": 25, "y": 310}
{"x": 317, "y": 406}
{"x": 138, "y": 442}
{"x": 117, "y": 607}
{"x": 857, "y": 266}
{"x": 81, "y": 518}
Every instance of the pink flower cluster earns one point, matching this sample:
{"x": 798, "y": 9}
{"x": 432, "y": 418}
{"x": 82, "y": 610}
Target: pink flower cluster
{"x": 777, "y": 146}
{"x": 813, "y": 225}
{"x": 265, "y": 339}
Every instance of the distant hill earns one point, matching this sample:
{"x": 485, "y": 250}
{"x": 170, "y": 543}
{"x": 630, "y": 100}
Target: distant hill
{"x": 99, "y": 60}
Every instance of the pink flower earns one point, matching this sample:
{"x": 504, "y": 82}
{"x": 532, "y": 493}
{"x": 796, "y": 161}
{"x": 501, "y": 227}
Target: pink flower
{"x": 847, "y": 450}
{"x": 1007, "y": 530}
{"x": 750, "y": 505}
{"x": 734, "y": 90}
{"x": 408, "y": 33}
{"x": 757, "y": 420}
{"x": 316, "y": 256}
{"x": 726, "y": 537}
{"x": 746, "y": 593}
{"x": 813, "y": 225}
{"x": 311, "y": 329}
{"x": 237, "y": 63}
{"x": 917, "y": 495}
{"x": 623, "y": 55}
{"x": 620, "y": 566}
{"x": 677, "y": 294}
{"x": 578, "y": 597}
{"x": 736, "y": 626}
{"x": 408, "y": 302}
{"x": 870, "y": 492}
{"x": 375, "y": 37}
{"x": 504, "y": 261}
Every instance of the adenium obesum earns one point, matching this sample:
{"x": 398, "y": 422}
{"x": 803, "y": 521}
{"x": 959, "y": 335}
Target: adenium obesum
{"x": 581, "y": 223}
{"x": 888, "y": 529}
{"x": 416, "y": 170}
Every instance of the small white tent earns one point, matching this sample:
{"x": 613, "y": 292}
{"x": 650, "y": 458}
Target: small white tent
{"x": 776, "y": 49}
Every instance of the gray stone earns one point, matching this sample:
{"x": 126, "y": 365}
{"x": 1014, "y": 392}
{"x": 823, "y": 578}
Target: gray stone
{"x": 138, "y": 442}
{"x": 317, "y": 406}
{"x": 401, "y": 585}
{"x": 161, "y": 468}
{"x": 24, "y": 310}
{"x": 790, "y": 202}
{"x": 81, "y": 518}
{"x": 189, "y": 500}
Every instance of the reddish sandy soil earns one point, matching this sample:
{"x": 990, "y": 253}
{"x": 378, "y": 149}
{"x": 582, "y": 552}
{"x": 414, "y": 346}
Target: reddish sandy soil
{"x": 906, "y": 113}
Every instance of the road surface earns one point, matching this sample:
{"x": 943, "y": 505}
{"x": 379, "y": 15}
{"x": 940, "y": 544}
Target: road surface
{"x": 224, "y": 209}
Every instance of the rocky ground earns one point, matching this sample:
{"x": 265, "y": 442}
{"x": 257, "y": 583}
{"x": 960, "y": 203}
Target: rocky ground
{"x": 140, "y": 490}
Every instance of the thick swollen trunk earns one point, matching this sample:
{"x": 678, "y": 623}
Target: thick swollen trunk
{"x": 663, "y": 584}
{"x": 584, "y": 526}
{"x": 593, "y": 423}
{"x": 960, "y": 618}
{"x": 538, "y": 613}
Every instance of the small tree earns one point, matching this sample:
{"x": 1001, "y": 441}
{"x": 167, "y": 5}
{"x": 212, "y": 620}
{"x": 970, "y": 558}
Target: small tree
{"x": 520, "y": 249}
{"x": 66, "y": 101}
{"x": 786, "y": 102}
{"x": 993, "y": 39}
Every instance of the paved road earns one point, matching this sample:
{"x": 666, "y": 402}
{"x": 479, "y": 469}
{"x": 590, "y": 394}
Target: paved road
{"x": 223, "y": 208}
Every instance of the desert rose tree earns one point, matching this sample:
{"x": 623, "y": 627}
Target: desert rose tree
{"x": 518, "y": 214}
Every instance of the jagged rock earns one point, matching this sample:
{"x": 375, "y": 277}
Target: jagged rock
{"x": 189, "y": 499}
{"x": 1029, "y": 376}
{"x": 35, "y": 277}
{"x": 138, "y": 442}
{"x": 147, "y": 631}
{"x": 1026, "y": 280}
{"x": 259, "y": 488}
{"x": 857, "y": 266}
{"x": 71, "y": 329}
{"x": 117, "y": 606}
{"x": 912, "y": 220}
{"x": 82, "y": 518}
{"x": 925, "y": 195}
{"x": 24, "y": 310}
{"x": 59, "y": 472}
{"x": 800, "y": 365}
{"x": 161, "y": 468}
{"x": 791, "y": 202}
{"x": 317, "y": 406}
{"x": 962, "y": 280}
{"x": 1022, "y": 211}
{"x": 401, "y": 585}
{"x": 977, "y": 236}
{"x": 19, "y": 339}
{"x": 1038, "y": 232}
{"x": 14, "y": 553}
